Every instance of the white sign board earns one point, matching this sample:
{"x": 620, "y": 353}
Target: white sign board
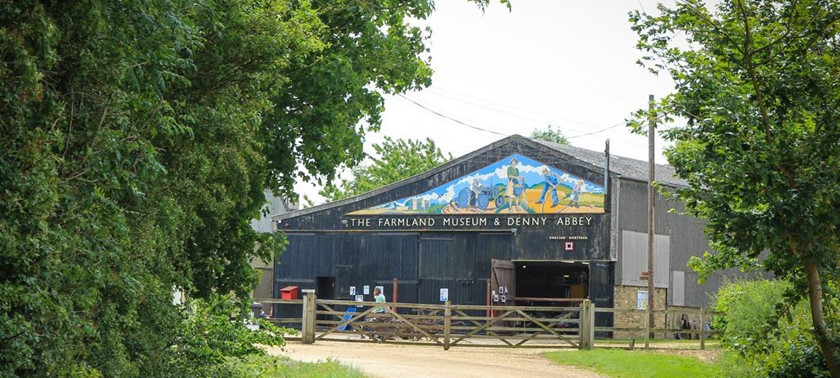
{"x": 642, "y": 300}
{"x": 444, "y": 294}
{"x": 366, "y": 290}
{"x": 352, "y": 290}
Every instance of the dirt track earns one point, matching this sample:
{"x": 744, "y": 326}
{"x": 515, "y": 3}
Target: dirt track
{"x": 391, "y": 360}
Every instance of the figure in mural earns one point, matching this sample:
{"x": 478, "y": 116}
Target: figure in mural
{"x": 551, "y": 182}
{"x": 576, "y": 194}
{"x": 515, "y": 187}
{"x": 475, "y": 191}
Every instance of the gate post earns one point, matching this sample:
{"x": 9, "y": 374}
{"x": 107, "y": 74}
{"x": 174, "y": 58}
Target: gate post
{"x": 587, "y": 325}
{"x": 308, "y": 316}
{"x": 447, "y": 324}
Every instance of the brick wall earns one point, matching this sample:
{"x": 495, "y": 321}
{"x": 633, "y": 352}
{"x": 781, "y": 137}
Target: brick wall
{"x": 625, "y": 298}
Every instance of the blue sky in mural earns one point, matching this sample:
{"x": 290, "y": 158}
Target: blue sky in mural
{"x": 495, "y": 175}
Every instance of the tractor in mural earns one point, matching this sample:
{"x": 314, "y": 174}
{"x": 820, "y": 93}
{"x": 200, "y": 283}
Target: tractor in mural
{"x": 481, "y": 196}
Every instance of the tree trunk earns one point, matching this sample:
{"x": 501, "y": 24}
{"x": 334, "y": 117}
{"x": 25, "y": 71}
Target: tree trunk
{"x": 816, "y": 296}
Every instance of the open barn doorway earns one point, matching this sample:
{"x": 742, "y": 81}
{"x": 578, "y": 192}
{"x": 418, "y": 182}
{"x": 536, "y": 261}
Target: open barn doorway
{"x": 324, "y": 289}
{"x": 539, "y": 282}
{"x": 551, "y": 283}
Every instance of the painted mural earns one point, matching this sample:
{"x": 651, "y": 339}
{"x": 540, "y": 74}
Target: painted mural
{"x": 515, "y": 184}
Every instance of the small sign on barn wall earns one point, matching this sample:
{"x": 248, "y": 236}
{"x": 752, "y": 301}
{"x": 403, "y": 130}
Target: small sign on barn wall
{"x": 444, "y": 294}
{"x": 642, "y": 300}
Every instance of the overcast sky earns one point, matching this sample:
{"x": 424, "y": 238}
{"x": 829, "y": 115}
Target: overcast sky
{"x": 568, "y": 63}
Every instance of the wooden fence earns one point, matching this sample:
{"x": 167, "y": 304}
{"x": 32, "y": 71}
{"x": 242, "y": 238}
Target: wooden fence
{"x": 668, "y": 328}
{"x": 448, "y": 324}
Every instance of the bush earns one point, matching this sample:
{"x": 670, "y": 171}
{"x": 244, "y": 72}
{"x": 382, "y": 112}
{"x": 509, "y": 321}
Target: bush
{"x": 746, "y": 310}
{"x": 770, "y": 328}
{"x": 214, "y": 334}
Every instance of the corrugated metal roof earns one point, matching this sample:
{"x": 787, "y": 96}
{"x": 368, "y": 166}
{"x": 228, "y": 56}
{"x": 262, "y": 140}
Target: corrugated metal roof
{"x": 625, "y": 167}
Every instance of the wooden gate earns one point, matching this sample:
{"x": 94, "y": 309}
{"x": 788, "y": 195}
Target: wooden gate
{"x": 447, "y": 325}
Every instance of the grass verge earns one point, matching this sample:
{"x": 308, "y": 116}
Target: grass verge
{"x": 278, "y": 366}
{"x": 637, "y": 363}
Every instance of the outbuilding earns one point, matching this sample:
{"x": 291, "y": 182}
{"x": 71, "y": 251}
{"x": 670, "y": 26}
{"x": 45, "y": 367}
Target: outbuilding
{"x": 519, "y": 221}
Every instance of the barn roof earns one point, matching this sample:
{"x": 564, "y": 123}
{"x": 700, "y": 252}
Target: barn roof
{"x": 625, "y": 168}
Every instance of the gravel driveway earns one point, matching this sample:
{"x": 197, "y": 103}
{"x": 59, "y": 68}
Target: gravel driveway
{"x": 394, "y": 360}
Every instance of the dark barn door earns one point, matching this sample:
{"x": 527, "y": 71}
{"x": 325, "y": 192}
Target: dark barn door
{"x": 447, "y": 261}
{"x": 388, "y": 256}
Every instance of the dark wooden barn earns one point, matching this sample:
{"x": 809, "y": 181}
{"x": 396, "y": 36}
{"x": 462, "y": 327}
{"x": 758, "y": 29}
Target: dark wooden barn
{"x": 520, "y": 220}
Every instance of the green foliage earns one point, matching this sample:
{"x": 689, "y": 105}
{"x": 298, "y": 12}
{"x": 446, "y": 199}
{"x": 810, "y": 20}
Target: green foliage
{"x": 747, "y": 311}
{"x": 333, "y": 96}
{"x": 137, "y": 139}
{"x": 754, "y": 150}
{"x": 213, "y": 334}
{"x": 756, "y": 84}
{"x": 550, "y": 135}
{"x": 636, "y": 363}
{"x": 395, "y": 160}
{"x": 770, "y": 329}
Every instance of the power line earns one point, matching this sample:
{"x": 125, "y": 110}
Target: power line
{"x": 501, "y": 134}
{"x": 448, "y": 117}
{"x": 491, "y": 108}
{"x": 432, "y": 90}
{"x": 596, "y": 132}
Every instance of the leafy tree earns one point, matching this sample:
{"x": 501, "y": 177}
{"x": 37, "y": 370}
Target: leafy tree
{"x": 394, "y": 161}
{"x": 757, "y": 83}
{"x": 551, "y": 135}
{"x": 137, "y": 139}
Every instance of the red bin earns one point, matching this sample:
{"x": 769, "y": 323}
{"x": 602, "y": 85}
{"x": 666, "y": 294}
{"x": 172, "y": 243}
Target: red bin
{"x": 289, "y": 292}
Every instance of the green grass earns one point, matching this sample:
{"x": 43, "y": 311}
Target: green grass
{"x": 640, "y": 342}
{"x": 275, "y": 366}
{"x": 636, "y": 363}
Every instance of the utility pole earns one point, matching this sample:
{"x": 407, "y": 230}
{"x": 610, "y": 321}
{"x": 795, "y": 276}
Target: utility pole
{"x": 651, "y": 178}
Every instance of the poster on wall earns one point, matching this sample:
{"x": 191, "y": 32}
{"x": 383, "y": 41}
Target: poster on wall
{"x": 444, "y": 294}
{"x": 352, "y": 290}
{"x": 642, "y": 300}
{"x": 515, "y": 184}
{"x": 366, "y": 290}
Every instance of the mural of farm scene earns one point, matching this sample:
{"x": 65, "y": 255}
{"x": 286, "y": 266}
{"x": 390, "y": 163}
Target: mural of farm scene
{"x": 515, "y": 184}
